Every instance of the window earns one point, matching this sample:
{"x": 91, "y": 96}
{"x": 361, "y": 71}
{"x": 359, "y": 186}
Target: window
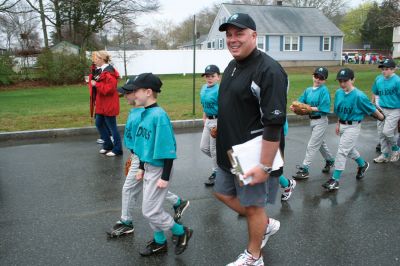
{"x": 221, "y": 44}
{"x": 291, "y": 43}
{"x": 327, "y": 44}
{"x": 208, "y": 45}
{"x": 213, "y": 44}
{"x": 261, "y": 43}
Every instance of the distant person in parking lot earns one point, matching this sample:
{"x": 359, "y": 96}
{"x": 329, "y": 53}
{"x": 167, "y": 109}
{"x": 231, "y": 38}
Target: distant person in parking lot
{"x": 346, "y": 58}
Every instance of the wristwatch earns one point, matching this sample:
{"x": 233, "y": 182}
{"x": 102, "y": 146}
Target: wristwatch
{"x": 266, "y": 169}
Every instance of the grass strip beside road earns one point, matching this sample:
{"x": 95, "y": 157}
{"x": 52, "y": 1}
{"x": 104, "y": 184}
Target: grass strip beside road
{"x": 68, "y": 106}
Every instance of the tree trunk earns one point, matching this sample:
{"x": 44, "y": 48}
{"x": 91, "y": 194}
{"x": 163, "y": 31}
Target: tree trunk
{"x": 43, "y": 20}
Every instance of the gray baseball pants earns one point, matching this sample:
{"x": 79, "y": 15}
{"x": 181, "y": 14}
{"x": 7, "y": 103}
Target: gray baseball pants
{"x": 347, "y": 145}
{"x": 387, "y": 130}
{"x": 132, "y": 189}
{"x": 153, "y": 199}
{"x": 317, "y": 141}
{"x": 207, "y": 143}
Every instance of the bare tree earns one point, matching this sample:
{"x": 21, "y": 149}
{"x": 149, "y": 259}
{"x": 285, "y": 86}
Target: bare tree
{"x": 329, "y": 7}
{"x": 6, "y": 5}
{"x": 254, "y": 2}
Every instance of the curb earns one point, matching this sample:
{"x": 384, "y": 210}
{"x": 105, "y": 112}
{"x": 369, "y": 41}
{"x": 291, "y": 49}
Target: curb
{"x": 180, "y": 126}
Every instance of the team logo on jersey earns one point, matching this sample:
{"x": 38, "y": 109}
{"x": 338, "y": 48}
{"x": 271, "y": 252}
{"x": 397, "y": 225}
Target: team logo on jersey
{"x": 276, "y": 112}
{"x": 233, "y": 17}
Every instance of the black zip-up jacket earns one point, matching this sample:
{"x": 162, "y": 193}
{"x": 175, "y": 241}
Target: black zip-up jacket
{"x": 252, "y": 101}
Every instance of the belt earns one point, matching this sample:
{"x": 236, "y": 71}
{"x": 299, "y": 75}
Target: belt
{"x": 212, "y": 116}
{"x": 315, "y": 117}
{"x": 348, "y": 122}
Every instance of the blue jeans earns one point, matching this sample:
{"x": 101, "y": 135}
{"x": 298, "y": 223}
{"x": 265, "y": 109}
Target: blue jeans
{"x": 105, "y": 124}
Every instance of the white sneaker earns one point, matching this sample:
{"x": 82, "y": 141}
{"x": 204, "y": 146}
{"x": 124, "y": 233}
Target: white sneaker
{"x": 103, "y": 151}
{"x": 287, "y": 192}
{"x": 99, "y": 141}
{"x": 272, "y": 228}
{"x": 381, "y": 159}
{"x": 110, "y": 154}
{"x": 246, "y": 259}
{"x": 395, "y": 156}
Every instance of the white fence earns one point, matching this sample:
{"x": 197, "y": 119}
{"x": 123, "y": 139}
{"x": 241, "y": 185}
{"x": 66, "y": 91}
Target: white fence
{"x": 168, "y": 61}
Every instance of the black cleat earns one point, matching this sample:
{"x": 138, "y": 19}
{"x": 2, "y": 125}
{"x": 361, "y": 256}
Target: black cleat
{"x": 331, "y": 185}
{"x": 180, "y": 209}
{"x": 327, "y": 167}
{"x": 120, "y": 229}
{"x": 153, "y": 248}
{"x": 361, "y": 171}
{"x": 301, "y": 174}
{"x": 183, "y": 240}
{"x": 211, "y": 180}
{"x": 378, "y": 148}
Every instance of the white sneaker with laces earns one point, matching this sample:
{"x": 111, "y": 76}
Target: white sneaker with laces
{"x": 110, "y": 154}
{"x": 381, "y": 159}
{"x": 395, "y": 156}
{"x": 99, "y": 141}
{"x": 287, "y": 192}
{"x": 103, "y": 151}
{"x": 272, "y": 228}
{"x": 246, "y": 259}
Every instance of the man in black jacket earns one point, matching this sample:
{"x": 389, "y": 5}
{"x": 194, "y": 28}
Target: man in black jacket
{"x": 252, "y": 102}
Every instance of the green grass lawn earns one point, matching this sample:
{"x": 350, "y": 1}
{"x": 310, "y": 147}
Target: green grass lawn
{"x": 68, "y": 106}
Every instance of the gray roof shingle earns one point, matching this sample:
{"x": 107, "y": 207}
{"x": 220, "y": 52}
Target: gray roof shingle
{"x": 277, "y": 20}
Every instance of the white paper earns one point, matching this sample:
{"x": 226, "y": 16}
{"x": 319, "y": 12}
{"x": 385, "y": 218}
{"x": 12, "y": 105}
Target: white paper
{"x": 248, "y": 155}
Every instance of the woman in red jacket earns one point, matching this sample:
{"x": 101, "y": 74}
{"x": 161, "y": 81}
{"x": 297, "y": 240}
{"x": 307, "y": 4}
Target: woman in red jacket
{"x": 107, "y": 103}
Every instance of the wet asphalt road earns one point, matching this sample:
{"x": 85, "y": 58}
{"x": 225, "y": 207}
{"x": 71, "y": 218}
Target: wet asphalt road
{"x": 59, "y": 196}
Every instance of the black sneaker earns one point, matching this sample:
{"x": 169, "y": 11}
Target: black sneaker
{"x": 378, "y": 148}
{"x": 120, "y": 229}
{"x": 153, "y": 248}
{"x": 327, "y": 167}
{"x": 301, "y": 174}
{"x": 211, "y": 180}
{"x": 180, "y": 209}
{"x": 361, "y": 171}
{"x": 331, "y": 184}
{"x": 183, "y": 241}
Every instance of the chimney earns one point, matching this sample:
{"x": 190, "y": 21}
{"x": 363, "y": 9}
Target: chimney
{"x": 279, "y": 3}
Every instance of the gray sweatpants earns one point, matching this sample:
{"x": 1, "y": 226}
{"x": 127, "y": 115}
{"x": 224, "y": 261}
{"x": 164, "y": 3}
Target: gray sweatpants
{"x": 387, "y": 130}
{"x": 347, "y": 145}
{"x": 207, "y": 143}
{"x": 317, "y": 141}
{"x": 153, "y": 199}
{"x": 132, "y": 189}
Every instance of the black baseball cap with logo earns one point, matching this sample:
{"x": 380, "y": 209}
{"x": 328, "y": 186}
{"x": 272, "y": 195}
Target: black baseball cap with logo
{"x": 240, "y": 20}
{"x": 321, "y": 71}
{"x": 388, "y": 63}
{"x": 211, "y": 69}
{"x": 345, "y": 74}
{"x": 142, "y": 81}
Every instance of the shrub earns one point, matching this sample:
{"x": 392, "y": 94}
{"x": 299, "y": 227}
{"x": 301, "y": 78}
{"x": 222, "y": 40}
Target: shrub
{"x": 6, "y": 72}
{"x": 62, "y": 68}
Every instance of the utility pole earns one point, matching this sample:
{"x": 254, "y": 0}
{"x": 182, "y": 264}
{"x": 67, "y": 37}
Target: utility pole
{"x": 194, "y": 64}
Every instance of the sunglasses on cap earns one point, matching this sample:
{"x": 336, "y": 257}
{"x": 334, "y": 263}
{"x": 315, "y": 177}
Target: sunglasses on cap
{"x": 316, "y": 76}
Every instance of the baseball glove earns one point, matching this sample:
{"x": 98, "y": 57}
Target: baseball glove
{"x": 380, "y": 111}
{"x": 301, "y": 108}
{"x": 127, "y": 166}
{"x": 213, "y": 132}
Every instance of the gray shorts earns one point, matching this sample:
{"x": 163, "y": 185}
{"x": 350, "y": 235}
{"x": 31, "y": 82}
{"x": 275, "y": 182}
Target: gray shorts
{"x": 227, "y": 184}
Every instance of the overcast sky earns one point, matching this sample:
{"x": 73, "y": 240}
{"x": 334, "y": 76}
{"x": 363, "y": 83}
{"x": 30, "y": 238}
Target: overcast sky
{"x": 178, "y": 10}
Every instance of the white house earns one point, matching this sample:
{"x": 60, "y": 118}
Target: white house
{"x": 65, "y": 47}
{"x": 295, "y": 36}
{"x": 396, "y": 42}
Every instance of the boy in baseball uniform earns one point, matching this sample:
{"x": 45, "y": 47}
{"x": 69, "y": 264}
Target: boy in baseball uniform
{"x": 387, "y": 88}
{"x": 319, "y": 99}
{"x": 351, "y": 105}
{"x": 155, "y": 146}
{"x": 132, "y": 186}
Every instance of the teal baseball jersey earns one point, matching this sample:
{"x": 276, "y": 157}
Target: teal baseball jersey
{"x": 388, "y": 91}
{"x": 319, "y": 98}
{"x": 352, "y": 106}
{"x": 154, "y": 138}
{"x": 131, "y": 126}
{"x": 209, "y": 99}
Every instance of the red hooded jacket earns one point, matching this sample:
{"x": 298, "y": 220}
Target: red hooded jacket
{"x": 107, "y": 100}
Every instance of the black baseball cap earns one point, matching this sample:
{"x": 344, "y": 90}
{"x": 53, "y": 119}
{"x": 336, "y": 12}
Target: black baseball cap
{"x": 211, "y": 69}
{"x": 345, "y": 74}
{"x": 142, "y": 81}
{"x": 321, "y": 71}
{"x": 388, "y": 63}
{"x": 240, "y": 20}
